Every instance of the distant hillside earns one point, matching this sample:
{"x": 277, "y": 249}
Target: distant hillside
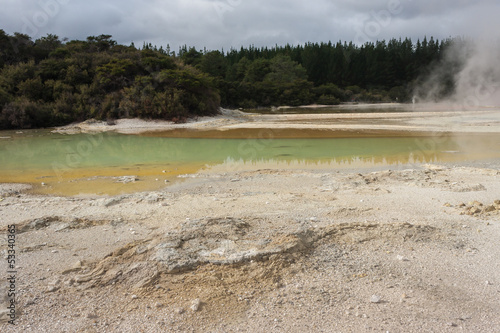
{"x": 49, "y": 82}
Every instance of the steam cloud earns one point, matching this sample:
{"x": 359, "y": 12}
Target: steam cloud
{"x": 479, "y": 81}
{"x": 467, "y": 77}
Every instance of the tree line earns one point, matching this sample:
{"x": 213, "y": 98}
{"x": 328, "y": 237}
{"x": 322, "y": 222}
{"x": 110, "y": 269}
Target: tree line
{"x": 49, "y": 81}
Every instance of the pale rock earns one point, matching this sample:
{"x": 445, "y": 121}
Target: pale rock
{"x": 126, "y": 179}
{"x": 4, "y": 315}
{"x": 153, "y": 198}
{"x": 112, "y": 202}
{"x": 77, "y": 264}
{"x": 196, "y": 305}
{"x": 52, "y": 288}
{"x": 489, "y": 209}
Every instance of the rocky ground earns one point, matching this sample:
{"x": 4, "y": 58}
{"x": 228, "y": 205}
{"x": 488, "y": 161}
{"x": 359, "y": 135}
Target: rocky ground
{"x": 407, "y": 250}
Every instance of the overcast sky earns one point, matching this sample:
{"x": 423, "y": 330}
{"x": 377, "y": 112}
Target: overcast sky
{"x": 217, "y": 24}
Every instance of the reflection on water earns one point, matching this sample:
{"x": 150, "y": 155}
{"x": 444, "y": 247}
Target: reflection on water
{"x": 92, "y": 163}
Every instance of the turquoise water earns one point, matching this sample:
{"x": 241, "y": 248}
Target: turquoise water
{"x": 39, "y": 154}
{"x": 41, "y": 150}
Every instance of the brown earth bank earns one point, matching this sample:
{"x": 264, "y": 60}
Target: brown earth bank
{"x": 407, "y": 250}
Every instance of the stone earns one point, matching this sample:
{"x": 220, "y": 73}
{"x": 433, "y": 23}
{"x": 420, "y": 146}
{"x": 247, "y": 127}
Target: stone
{"x": 112, "y": 201}
{"x": 375, "y": 299}
{"x": 62, "y": 227}
{"x": 153, "y": 198}
{"x": 4, "y": 316}
{"x": 489, "y": 209}
{"x": 52, "y": 288}
{"x": 83, "y": 278}
{"x": 473, "y": 210}
{"x": 196, "y": 305}
{"x": 77, "y": 264}
{"x": 126, "y": 179}
{"x": 179, "y": 311}
{"x": 70, "y": 282}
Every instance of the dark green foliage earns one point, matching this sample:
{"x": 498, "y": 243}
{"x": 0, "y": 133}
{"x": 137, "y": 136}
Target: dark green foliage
{"x": 266, "y": 82}
{"x": 329, "y": 90}
{"x": 116, "y": 74}
{"x": 333, "y": 73}
{"x": 48, "y": 83}
{"x": 171, "y": 93}
{"x": 4, "y": 98}
{"x": 45, "y": 46}
{"x": 23, "y": 113}
{"x": 214, "y": 64}
{"x": 191, "y": 57}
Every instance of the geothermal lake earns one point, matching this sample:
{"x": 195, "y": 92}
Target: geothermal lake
{"x": 81, "y": 164}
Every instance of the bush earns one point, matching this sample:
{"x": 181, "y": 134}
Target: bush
{"x": 355, "y": 89}
{"x": 329, "y": 90}
{"x": 23, "y": 113}
{"x": 4, "y": 98}
{"x": 399, "y": 94}
{"x": 328, "y": 100}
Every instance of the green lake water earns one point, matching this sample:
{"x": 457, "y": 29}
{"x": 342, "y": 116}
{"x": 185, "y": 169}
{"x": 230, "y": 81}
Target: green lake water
{"x": 91, "y": 163}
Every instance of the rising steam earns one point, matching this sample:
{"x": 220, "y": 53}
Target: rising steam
{"x": 468, "y": 76}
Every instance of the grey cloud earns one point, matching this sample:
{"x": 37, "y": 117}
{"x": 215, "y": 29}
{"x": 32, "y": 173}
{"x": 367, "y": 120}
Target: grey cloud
{"x": 225, "y": 23}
